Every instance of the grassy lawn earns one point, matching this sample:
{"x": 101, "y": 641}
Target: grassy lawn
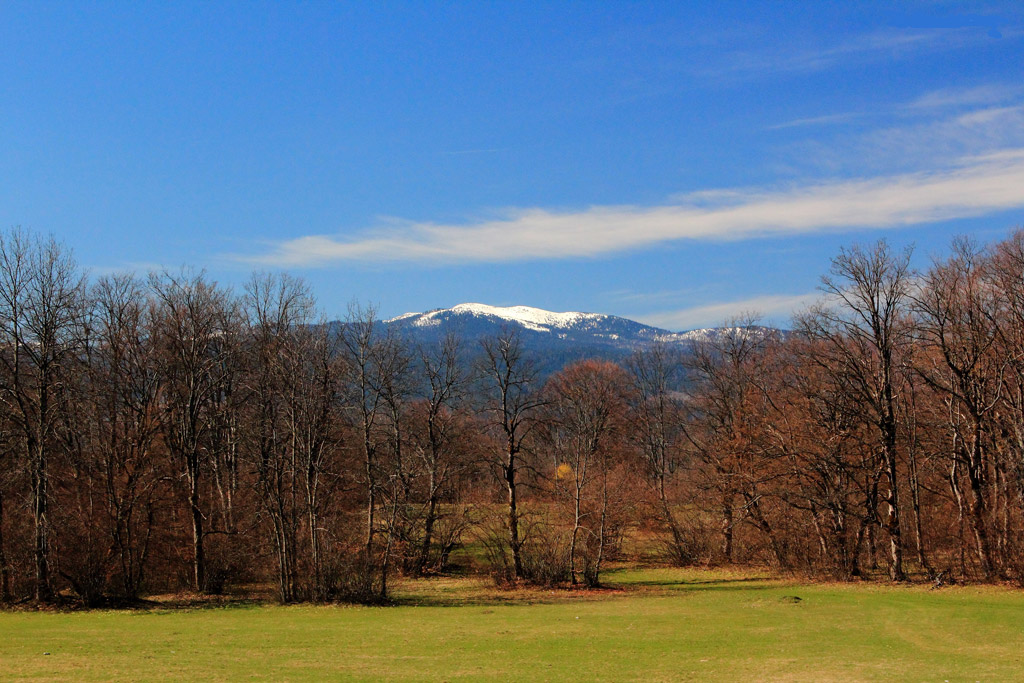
{"x": 659, "y": 624}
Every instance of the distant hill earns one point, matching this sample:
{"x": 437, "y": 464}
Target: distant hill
{"x": 555, "y": 339}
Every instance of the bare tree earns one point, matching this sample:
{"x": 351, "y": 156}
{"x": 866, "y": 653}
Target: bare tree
{"x": 316, "y": 370}
{"x": 277, "y": 307}
{"x": 586, "y": 408}
{"x": 393, "y": 377}
{"x": 727, "y": 409}
{"x": 512, "y": 403}
{"x": 657, "y": 416}
{"x": 814, "y": 431}
{"x": 122, "y": 402}
{"x": 957, "y": 313}
{"x": 190, "y": 324}
{"x": 439, "y": 428}
{"x": 376, "y": 367}
{"x": 41, "y": 310}
{"x": 865, "y": 334}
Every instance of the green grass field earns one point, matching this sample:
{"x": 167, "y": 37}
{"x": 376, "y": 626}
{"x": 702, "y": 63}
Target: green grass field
{"x": 658, "y": 624}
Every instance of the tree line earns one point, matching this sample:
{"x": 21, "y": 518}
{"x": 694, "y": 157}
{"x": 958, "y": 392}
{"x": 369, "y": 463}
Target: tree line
{"x": 166, "y": 434}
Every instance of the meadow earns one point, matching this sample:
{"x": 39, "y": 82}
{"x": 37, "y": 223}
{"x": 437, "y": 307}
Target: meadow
{"x": 649, "y": 624}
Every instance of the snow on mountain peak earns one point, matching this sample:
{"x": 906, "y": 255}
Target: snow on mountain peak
{"x": 536, "y": 319}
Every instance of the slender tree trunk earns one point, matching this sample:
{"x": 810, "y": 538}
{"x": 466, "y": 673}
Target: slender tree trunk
{"x": 872, "y": 547}
{"x": 682, "y": 552}
{"x": 915, "y": 502}
{"x": 575, "y": 533}
{"x": 428, "y": 528}
{"x": 602, "y": 531}
{"x": 282, "y": 559}
{"x": 766, "y": 528}
{"x": 976, "y": 506}
{"x": 40, "y": 509}
{"x": 385, "y": 564}
{"x": 513, "y": 514}
{"x": 198, "y": 554}
{"x": 727, "y": 527}
{"x": 371, "y": 500}
{"x": 892, "y": 525}
{"x": 5, "y": 570}
{"x": 855, "y": 568}
{"x": 314, "y": 537}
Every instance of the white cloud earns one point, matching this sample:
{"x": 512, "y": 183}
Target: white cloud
{"x": 976, "y": 186}
{"x": 874, "y": 46}
{"x": 928, "y": 132}
{"x": 777, "y": 308}
{"x": 991, "y": 93}
{"x": 929, "y": 105}
{"x": 844, "y": 117}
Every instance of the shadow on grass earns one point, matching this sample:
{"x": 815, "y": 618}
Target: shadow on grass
{"x": 65, "y": 605}
{"x": 683, "y": 586}
{"x": 489, "y": 601}
{"x": 485, "y": 596}
{"x": 456, "y": 591}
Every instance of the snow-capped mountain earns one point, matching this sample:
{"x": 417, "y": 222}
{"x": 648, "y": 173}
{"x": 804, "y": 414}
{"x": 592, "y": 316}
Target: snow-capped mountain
{"x": 558, "y": 338}
{"x": 480, "y": 319}
{"x": 535, "y": 319}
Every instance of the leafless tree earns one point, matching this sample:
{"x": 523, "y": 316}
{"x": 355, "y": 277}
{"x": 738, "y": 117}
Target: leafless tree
{"x": 438, "y": 433}
{"x": 42, "y": 304}
{"x": 865, "y": 334}
{"x": 317, "y": 371}
{"x": 277, "y": 309}
{"x": 393, "y": 376}
{"x": 376, "y": 385}
{"x": 726, "y": 411}
{"x": 191, "y": 323}
{"x": 586, "y": 419}
{"x": 511, "y": 403}
{"x": 122, "y": 399}
{"x": 657, "y": 428}
{"x": 957, "y": 320}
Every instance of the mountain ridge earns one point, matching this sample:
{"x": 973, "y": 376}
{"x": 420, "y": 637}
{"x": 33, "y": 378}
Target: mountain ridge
{"x": 556, "y": 338}
{"x": 542, "y": 320}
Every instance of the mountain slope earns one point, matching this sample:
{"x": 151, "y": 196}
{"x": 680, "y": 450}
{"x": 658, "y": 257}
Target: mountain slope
{"x": 479, "y": 320}
{"x": 556, "y": 339}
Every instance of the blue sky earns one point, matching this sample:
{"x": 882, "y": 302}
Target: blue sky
{"x": 675, "y": 163}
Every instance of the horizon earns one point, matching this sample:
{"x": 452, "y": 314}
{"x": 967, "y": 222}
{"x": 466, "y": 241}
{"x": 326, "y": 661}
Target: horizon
{"x": 672, "y": 165}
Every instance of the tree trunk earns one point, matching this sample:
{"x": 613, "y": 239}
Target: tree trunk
{"x": 896, "y": 572}
{"x": 727, "y": 524}
{"x": 40, "y": 494}
{"x": 314, "y": 541}
{"x": 428, "y": 529}
{"x": 575, "y": 533}
{"x": 915, "y": 502}
{"x": 198, "y": 554}
{"x": 513, "y": 516}
{"x": 5, "y": 570}
{"x": 976, "y": 506}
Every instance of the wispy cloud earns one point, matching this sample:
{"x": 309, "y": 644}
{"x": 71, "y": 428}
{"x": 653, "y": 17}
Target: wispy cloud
{"x": 974, "y": 187}
{"x": 988, "y": 94}
{"x": 827, "y": 119}
{"x": 868, "y": 47}
{"x": 929, "y": 132}
{"x": 777, "y": 308}
{"x": 661, "y": 297}
{"x": 976, "y": 131}
{"x": 929, "y": 106}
